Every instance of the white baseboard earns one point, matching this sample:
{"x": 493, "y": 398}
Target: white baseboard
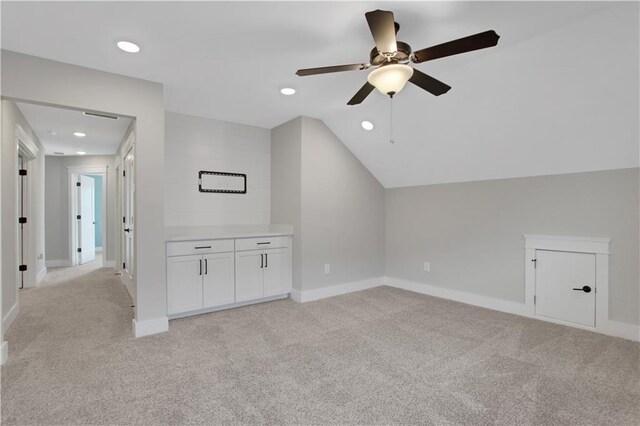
{"x": 11, "y": 315}
{"x": 57, "y": 263}
{"x": 622, "y": 329}
{"x": 108, "y": 263}
{"x": 335, "y": 290}
{"x": 151, "y": 326}
{"x": 98, "y": 249}
{"x": 612, "y": 328}
{"x": 4, "y": 352}
{"x": 459, "y": 296}
{"x": 40, "y": 275}
{"x": 128, "y": 284}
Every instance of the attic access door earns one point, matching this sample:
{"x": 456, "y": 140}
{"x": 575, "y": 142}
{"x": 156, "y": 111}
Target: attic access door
{"x": 565, "y": 286}
{"x": 86, "y": 220}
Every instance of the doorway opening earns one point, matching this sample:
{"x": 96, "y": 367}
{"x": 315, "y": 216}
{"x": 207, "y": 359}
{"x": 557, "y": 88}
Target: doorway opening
{"x": 88, "y": 206}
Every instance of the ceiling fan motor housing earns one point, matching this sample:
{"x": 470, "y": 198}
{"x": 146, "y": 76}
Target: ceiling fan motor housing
{"x": 402, "y": 55}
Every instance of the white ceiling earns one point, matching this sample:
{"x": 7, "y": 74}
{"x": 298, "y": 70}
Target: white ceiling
{"x": 558, "y": 94}
{"x": 103, "y": 135}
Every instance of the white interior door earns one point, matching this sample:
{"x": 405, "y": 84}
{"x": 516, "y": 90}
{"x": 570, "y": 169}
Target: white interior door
{"x": 128, "y": 195}
{"x": 565, "y": 286}
{"x": 87, "y": 222}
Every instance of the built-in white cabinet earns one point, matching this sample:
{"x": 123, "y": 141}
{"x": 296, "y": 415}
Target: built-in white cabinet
{"x": 199, "y": 281}
{"x": 205, "y": 275}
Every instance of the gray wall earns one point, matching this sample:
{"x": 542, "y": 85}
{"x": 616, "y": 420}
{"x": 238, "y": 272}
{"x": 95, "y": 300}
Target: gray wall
{"x": 472, "y": 232}
{"x": 334, "y": 203}
{"x": 34, "y": 79}
{"x": 286, "y": 186}
{"x": 57, "y": 204}
{"x": 342, "y": 212}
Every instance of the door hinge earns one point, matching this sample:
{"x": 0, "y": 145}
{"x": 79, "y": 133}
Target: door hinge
{"x": 124, "y": 173}
{"x": 22, "y": 268}
{"x": 22, "y": 172}
{"x": 123, "y": 220}
{"x": 123, "y": 265}
{"x": 534, "y": 299}
{"x": 79, "y": 250}
{"x": 22, "y": 220}
{"x": 77, "y": 183}
{"x": 535, "y": 263}
{"x": 79, "y": 217}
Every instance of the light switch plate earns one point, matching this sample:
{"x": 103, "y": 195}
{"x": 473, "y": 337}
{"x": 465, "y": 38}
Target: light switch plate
{"x": 427, "y": 266}
{"x": 327, "y": 268}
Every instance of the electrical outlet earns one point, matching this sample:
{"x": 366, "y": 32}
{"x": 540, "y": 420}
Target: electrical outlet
{"x": 427, "y": 266}
{"x": 327, "y": 268}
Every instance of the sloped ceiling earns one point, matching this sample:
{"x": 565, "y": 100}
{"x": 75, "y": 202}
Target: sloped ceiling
{"x": 559, "y": 93}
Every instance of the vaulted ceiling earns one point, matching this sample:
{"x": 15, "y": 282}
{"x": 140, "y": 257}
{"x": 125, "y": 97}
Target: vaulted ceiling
{"x": 559, "y": 93}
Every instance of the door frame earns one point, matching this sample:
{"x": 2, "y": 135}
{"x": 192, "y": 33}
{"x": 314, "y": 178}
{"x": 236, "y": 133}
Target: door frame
{"x": 591, "y": 245}
{"x": 124, "y": 150}
{"x": 29, "y": 151}
{"x": 73, "y": 172}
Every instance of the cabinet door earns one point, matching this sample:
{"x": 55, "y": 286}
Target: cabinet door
{"x": 218, "y": 279}
{"x": 184, "y": 284}
{"x": 249, "y": 275}
{"x": 277, "y": 272}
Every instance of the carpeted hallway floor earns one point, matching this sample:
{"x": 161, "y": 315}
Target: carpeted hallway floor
{"x": 378, "y": 356}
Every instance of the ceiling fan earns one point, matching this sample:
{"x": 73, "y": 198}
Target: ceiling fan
{"x": 390, "y": 58}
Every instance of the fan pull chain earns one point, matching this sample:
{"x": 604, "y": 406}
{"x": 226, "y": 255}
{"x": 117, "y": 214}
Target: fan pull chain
{"x": 391, "y": 141}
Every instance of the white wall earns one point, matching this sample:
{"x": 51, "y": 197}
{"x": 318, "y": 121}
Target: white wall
{"x": 34, "y": 259}
{"x": 472, "y": 232}
{"x": 334, "y": 203}
{"x": 36, "y": 79}
{"x": 193, "y": 144}
{"x": 57, "y": 205}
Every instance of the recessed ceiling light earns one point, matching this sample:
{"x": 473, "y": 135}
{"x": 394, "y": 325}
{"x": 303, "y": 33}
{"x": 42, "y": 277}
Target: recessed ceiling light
{"x": 287, "y": 91}
{"x": 79, "y": 134}
{"x": 367, "y": 125}
{"x": 51, "y": 132}
{"x": 128, "y": 47}
{"x": 81, "y": 153}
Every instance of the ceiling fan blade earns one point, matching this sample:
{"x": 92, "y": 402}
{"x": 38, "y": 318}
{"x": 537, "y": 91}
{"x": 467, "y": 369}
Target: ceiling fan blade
{"x": 362, "y": 94}
{"x": 383, "y": 29}
{"x": 454, "y": 47}
{"x": 428, "y": 83}
{"x": 335, "y": 68}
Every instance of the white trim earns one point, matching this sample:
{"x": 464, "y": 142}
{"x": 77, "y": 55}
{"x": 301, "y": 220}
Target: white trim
{"x": 9, "y": 317}
{"x": 128, "y": 284}
{"x": 98, "y": 249}
{"x": 597, "y": 246}
{"x": 73, "y": 172}
{"x": 459, "y": 296}
{"x": 149, "y": 327}
{"x": 58, "y": 263}
{"x": 4, "y": 352}
{"x": 335, "y": 290}
{"x": 565, "y": 243}
{"x": 609, "y": 327}
{"x": 28, "y": 149}
{"x": 228, "y": 306}
{"x": 41, "y": 275}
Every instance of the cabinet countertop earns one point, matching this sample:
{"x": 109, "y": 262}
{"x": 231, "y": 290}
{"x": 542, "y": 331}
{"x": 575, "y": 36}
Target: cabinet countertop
{"x": 189, "y": 233}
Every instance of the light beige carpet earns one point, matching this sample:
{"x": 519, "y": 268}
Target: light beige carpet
{"x": 378, "y": 356}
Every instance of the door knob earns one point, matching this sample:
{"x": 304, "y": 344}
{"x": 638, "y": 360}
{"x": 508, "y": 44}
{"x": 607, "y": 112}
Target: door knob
{"x": 586, "y": 289}
{"x": 127, "y": 230}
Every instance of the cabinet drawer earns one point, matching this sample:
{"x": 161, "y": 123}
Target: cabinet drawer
{"x": 182, "y": 248}
{"x": 262, "y": 243}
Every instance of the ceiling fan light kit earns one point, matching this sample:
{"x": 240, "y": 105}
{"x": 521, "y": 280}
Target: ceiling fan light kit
{"x": 390, "y": 58}
{"x": 390, "y": 79}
